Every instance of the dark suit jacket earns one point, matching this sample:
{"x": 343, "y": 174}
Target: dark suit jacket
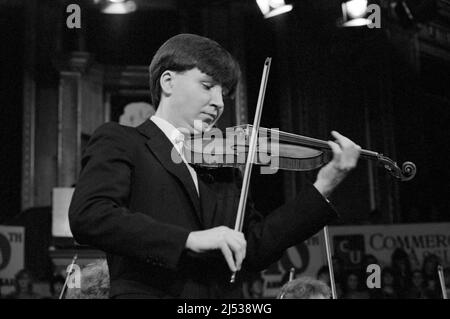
{"x": 133, "y": 202}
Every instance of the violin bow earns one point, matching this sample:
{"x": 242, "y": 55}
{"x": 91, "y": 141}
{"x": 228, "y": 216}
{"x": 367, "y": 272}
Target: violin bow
{"x": 251, "y": 152}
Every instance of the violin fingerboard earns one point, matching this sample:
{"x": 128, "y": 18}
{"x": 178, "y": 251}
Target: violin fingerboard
{"x": 295, "y": 164}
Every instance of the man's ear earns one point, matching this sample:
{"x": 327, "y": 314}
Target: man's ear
{"x": 166, "y": 82}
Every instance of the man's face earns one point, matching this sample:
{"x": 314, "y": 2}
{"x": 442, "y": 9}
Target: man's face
{"x": 196, "y": 97}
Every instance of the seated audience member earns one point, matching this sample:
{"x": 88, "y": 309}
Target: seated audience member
{"x": 417, "y": 287}
{"x": 56, "y": 285}
{"x": 352, "y": 288}
{"x": 387, "y": 290}
{"x": 324, "y": 275}
{"x": 431, "y": 277}
{"x": 253, "y": 288}
{"x": 338, "y": 270}
{"x": 23, "y": 285}
{"x": 401, "y": 268}
{"x": 304, "y": 288}
{"x": 94, "y": 282}
{"x": 429, "y": 268}
{"x": 433, "y": 289}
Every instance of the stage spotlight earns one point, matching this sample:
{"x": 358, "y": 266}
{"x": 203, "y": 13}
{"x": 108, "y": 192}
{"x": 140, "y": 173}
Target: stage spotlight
{"x": 354, "y": 13}
{"x": 118, "y": 6}
{"x": 271, "y": 8}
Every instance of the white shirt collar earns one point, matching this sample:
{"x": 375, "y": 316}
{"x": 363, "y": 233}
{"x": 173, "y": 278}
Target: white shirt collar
{"x": 175, "y": 136}
{"x": 172, "y": 133}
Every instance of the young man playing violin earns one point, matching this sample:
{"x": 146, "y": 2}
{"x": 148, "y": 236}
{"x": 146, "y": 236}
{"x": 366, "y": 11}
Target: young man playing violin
{"x": 167, "y": 230}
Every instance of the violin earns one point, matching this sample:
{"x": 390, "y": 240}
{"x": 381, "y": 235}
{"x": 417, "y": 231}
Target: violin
{"x": 276, "y": 150}
{"x": 250, "y": 144}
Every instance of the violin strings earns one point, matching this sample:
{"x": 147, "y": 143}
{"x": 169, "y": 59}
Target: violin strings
{"x": 294, "y": 138}
{"x": 309, "y": 141}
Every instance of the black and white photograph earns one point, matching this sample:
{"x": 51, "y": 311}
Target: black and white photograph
{"x": 238, "y": 150}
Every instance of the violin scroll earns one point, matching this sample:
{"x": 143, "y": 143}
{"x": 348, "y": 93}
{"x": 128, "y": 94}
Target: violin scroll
{"x": 406, "y": 173}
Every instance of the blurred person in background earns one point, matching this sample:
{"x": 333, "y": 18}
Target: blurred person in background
{"x": 431, "y": 277}
{"x": 23, "y": 284}
{"x": 433, "y": 289}
{"x": 353, "y": 288}
{"x": 253, "y": 288}
{"x": 304, "y": 288}
{"x": 324, "y": 275}
{"x": 417, "y": 287}
{"x": 430, "y": 268}
{"x": 338, "y": 270}
{"x": 56, "y": 285}
{"x": 401, "y": 268}
{"x": 387, "y": 290}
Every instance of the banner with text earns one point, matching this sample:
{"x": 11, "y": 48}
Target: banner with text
{"x": 351, "y": 243}
{"x": 12, "y": 242}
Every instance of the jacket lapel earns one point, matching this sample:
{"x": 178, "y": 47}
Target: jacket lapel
{"x": 162, "y": 148}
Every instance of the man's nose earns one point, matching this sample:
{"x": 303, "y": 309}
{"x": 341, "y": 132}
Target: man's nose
{"x": 217, "y": 98}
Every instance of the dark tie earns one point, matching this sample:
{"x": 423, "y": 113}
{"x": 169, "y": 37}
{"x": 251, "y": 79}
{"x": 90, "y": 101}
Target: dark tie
{"x": 205, "y": 174}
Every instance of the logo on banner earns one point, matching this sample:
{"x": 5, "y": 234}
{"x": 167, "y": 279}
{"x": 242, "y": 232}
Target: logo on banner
{"x": 350, "y": 249}
{"x": 5, "y": 252}
{"x": 11, "y": 254}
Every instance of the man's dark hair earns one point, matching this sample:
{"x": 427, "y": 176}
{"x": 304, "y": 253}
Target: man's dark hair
{"x": 184, "y": 52}
{"x": 304, "y": 288}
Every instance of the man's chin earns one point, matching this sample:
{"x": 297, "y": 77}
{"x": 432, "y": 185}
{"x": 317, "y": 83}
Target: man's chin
{"x": 201, "y": 127}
